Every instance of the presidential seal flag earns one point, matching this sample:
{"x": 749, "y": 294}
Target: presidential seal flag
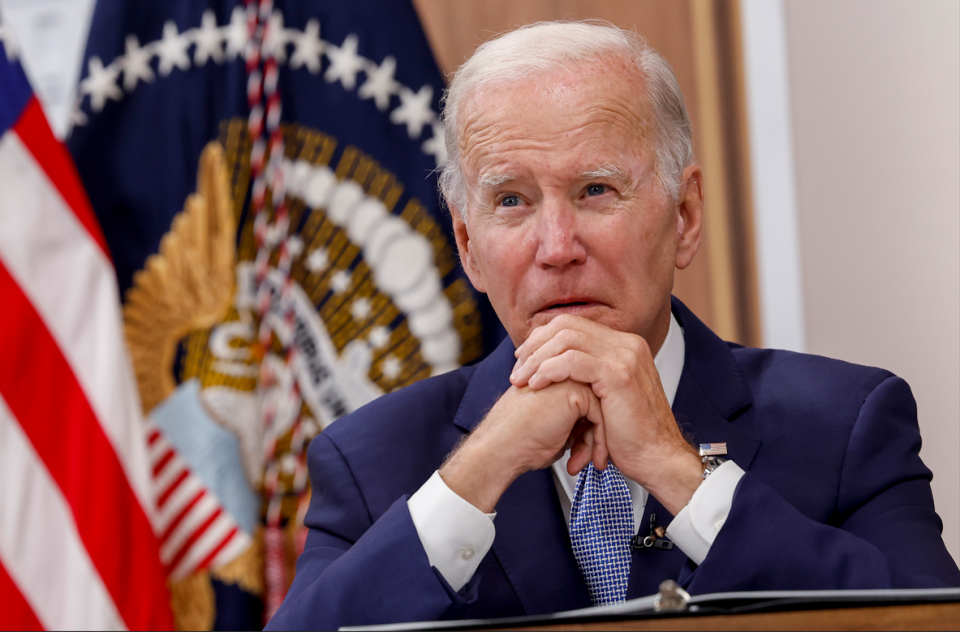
{"x": 265, "y": 173}
{"x": 78, "y": 548}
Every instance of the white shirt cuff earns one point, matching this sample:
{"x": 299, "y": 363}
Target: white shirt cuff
{"x": 455, "y": 534}
{"x": 696, "y": 526}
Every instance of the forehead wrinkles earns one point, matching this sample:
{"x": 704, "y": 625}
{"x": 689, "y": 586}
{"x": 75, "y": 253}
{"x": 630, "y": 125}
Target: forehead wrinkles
{"x": 540, "y": 111}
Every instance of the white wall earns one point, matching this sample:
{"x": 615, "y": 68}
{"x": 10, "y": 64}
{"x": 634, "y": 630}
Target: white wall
{"x": 773, "y": 177}
{"x": 875, "y": 100}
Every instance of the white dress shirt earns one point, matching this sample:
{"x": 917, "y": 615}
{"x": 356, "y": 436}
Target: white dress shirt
{"x": 456, "y": 535}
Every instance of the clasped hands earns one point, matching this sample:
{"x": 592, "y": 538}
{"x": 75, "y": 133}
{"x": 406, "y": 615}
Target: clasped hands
{"x": 582, "y": 386}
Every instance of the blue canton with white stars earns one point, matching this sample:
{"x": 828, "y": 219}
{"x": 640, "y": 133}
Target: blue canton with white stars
{"x": 601, "y": 527}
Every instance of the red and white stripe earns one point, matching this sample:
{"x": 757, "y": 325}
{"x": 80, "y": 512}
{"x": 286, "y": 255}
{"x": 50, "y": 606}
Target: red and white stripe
{"x": 77, "y": 547}
{"x": 195, "y": 531}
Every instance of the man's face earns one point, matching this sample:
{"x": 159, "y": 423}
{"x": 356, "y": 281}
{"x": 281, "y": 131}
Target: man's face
{"x": 565, "y": 213}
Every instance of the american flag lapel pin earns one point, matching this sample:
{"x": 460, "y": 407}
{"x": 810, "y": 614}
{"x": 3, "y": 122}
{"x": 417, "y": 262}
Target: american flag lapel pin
{"x": 713, "y": 449}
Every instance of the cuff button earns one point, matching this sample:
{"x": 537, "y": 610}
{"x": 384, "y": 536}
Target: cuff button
{"x": 466, "y": 552}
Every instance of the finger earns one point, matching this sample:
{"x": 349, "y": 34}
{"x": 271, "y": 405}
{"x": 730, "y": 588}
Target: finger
{"x": 564, "y": 340}
{"x": 589, "y": 447}
{"x": 582, "y": 335}
{"x": 584, "y": 431}
{"x": 576, "y": 434}
{"x": 573, "y": 364}
{"x": 600, "y": 454}
{"x": 599, "y": 450}
{"x": 537, "y": 339}
{"x": 542, "y": 334}
{"x": 579, "y": 457}
{"x": 580, "y": 453}
{"x": 593, "y": 447}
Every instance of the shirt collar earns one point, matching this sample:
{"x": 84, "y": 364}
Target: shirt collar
{"x": 669, "y": 360}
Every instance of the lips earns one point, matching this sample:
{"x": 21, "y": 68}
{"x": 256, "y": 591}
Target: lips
{"x": 569, "y": 304}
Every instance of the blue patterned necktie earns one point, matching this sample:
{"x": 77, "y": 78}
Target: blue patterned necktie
{"x": 601, "y": 526}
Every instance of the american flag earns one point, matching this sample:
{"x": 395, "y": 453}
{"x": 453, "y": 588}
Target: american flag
{"x": 713, "y": 449}
{"x": 195, "y": 532}
{"x": 96, "y": 508}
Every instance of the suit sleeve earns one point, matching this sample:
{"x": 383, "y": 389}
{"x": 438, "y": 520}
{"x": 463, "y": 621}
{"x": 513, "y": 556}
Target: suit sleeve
{"x": 355, "y": 570}
{"x": 884, "y": 532}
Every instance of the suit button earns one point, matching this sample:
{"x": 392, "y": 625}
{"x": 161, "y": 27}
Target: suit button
{"x": 466, "y": 552}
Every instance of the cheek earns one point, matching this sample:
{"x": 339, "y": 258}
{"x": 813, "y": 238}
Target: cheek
{"x": 500, "y": 255}
{"x": 639, "y": 248}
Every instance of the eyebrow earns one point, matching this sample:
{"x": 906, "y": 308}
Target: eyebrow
{"x": 605, "y": 171}
{"x": 494, "y": 180}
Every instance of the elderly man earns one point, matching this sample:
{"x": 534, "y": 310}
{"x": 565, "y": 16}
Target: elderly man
{"x": 516, "y": 486}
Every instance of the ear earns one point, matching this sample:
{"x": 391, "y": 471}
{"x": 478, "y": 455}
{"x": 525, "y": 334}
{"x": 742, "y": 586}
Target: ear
{"x": 689, "y": 215}
{"x": 467, "y": 260}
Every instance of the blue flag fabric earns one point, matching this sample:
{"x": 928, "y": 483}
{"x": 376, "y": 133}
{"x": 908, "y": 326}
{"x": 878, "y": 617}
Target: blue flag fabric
{"x": 138, "y": 155}
{"x": 14, "y": 88}
{"x": 379, "y": 298}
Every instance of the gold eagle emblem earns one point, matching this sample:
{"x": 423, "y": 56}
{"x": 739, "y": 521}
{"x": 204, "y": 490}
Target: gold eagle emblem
{"x": 187, "y": 285}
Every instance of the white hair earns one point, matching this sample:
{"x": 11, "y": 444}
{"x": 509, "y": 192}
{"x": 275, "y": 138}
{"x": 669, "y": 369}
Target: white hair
{"x": 550, "y": 46}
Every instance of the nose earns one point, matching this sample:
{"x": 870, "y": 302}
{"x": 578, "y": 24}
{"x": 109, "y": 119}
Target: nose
{"x": 558, "y": 235}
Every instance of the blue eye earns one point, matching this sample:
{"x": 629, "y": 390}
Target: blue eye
{"x": 510, "y": 200}
{"x": 596, "y": 189}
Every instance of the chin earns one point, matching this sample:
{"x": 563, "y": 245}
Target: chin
{"x": 599, "y": 313}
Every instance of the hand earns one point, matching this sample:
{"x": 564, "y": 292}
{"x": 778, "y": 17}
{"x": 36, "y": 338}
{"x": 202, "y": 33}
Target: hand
{"x": 639, "y": 428}
{"x": 527, "y": 429}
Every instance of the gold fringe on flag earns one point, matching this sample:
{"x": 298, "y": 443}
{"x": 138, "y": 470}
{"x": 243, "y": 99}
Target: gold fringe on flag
{"x": 246, "y": 570}
{"x": 192, "y": 601}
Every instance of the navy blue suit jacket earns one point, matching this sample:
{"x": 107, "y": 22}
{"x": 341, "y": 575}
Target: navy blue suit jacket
{"x": 834, "y": 496}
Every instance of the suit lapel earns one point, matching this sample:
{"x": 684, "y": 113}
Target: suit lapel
{"x": 532, "y": 544}
{"x": 490, "y": 380}
{"x": 712, "y": 395}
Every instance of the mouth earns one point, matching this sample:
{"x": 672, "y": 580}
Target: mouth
{"x": 569, "y": 306}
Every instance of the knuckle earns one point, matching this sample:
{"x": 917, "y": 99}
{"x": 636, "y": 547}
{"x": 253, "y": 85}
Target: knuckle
{"x": 619, "y": 373}
{"x": 546, "y": 368}
{"x": 611, "y": 366}
{"x": 638, "y": 345}
{"x": 645, "y": 347}
{"x": 566, "y": 336}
